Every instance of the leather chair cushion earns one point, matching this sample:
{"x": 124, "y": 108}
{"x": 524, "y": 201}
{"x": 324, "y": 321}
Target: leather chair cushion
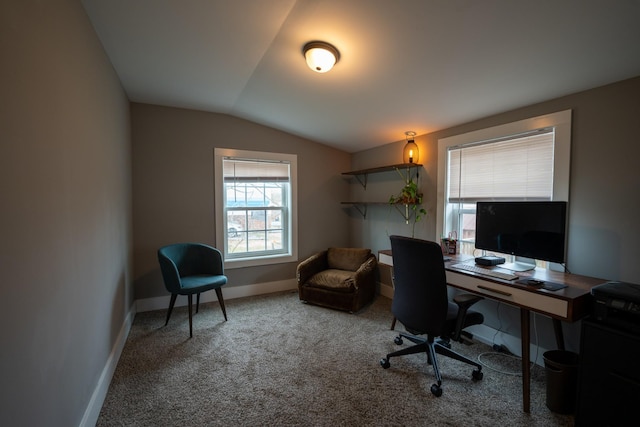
{"x": 347, "y": 258}
{"x": 335, "y": 280}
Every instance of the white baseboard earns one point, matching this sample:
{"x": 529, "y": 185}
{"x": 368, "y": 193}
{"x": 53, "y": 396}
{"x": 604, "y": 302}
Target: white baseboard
{"x": 491, "y": 336}
{"x": 386, "y": 290}
{"x": 92, "y": 412}
{"x": 231, "y": 292}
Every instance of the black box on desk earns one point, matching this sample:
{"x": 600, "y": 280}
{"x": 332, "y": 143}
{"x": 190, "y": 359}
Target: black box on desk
{"x": 490, "y": 260}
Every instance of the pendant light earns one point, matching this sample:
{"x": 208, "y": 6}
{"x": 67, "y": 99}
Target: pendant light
{"x": 411, "y": 153}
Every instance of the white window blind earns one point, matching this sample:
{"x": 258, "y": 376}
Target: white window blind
{"x": 513, "y": 168}
{"x": 252, "y": 170}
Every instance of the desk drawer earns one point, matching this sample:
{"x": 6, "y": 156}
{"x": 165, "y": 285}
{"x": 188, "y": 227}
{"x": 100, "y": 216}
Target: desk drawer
{"x": 519, "y": 297}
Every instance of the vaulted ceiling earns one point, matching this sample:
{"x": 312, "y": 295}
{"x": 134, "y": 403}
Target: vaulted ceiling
{"x": 419, "y": 65}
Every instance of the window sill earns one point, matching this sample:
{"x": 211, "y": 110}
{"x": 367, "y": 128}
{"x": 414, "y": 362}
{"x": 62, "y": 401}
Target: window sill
{"x": 230, "y": 264}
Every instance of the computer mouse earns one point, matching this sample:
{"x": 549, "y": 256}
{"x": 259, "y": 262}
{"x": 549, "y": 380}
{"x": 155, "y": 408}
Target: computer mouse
{"x": 535, "y": 282}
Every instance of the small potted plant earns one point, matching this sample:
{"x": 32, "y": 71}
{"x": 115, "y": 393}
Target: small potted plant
{"x": 409, "y": 195}
{"x": 411, "y": 198}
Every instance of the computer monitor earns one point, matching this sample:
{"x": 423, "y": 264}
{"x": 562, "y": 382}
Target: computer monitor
{"x": 535, "y": 230}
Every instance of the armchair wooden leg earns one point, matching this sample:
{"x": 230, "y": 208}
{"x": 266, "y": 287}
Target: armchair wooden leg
{"x": 190, "y": 297}
{"x": 173, "y": 301}
{"x": 221, "y": 301}
{"x": 393, "y": 323}
{"x": 197, "y": 302}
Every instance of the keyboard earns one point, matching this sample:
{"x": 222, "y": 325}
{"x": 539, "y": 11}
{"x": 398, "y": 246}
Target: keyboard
{"x": 484, "y": 271}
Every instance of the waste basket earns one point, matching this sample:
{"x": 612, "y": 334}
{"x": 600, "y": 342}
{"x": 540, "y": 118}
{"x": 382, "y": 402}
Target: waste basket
{"x": 562, "y": 380}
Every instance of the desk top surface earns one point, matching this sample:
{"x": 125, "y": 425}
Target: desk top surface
{"x": 577, "y": 285}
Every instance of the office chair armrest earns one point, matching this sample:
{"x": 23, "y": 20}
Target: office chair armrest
{"x": 310, "y": 266}
{"x": 464, "y": 301}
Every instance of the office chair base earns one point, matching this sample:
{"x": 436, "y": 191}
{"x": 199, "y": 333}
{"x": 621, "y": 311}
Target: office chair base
{"x": 431, "y": 348}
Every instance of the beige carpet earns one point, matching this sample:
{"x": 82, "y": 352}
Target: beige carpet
{"x": 280, "y": 362}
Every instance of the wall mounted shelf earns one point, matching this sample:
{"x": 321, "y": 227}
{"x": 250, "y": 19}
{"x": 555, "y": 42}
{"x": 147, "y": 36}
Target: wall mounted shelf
{"x": 362, "y": 174}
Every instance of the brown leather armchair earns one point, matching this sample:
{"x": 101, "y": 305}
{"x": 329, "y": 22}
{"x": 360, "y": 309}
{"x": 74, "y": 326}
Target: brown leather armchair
{"x": 339, "y": 278}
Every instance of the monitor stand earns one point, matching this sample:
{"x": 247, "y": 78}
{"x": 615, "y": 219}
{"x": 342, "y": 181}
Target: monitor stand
{"x": 518, "y": 266}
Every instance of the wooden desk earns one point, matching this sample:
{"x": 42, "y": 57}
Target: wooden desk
{"x": 569, "y": 304}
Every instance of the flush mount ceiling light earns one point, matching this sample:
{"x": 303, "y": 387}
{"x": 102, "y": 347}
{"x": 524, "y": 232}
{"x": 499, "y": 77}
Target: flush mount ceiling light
{"x": 320, "y": 56}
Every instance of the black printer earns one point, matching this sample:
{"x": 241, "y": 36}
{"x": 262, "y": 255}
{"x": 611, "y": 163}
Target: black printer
{"x": 617, "y": 304}
{"x": 608, "y": 372}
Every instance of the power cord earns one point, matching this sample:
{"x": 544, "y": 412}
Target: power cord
{"x": 502, "y": 350}
{"x": 499, "y": 324}
{"x": 499, "y": 349}
{"x": 495, "y": 369}
{"x": 537, "y": 343}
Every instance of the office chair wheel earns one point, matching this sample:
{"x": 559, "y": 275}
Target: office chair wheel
{"x": 398, "y": 340}
{"x": 477, "y": 375}
{"x": 384, "y": 362}
{"x": 436, "y": 390}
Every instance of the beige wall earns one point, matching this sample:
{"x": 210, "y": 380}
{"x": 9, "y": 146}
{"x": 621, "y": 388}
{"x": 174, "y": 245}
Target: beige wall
{"x": 173, "y": 188}
{"x": 603, "y": 200}
{"x": 603, "y": 204}
{"x": 65, "y": 213}
{"x": 383, "y": 221}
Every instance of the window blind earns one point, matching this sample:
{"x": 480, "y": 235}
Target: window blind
{"x": 514, "y": 168}
{"x": 245, "y": 170}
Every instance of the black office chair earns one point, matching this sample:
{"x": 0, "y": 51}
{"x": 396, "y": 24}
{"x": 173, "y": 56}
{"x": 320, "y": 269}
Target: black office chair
{"x": 420, "y": 303}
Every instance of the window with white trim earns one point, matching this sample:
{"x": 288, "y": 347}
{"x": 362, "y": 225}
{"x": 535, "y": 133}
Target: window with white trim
{"x": 255, "y": 207}
{"x": 526, "y": 160}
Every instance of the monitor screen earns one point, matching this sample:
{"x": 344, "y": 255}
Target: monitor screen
{"x": 526, "y": 229}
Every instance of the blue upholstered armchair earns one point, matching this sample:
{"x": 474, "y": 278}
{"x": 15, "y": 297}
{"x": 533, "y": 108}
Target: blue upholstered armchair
{"x": 192, "y": 268}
